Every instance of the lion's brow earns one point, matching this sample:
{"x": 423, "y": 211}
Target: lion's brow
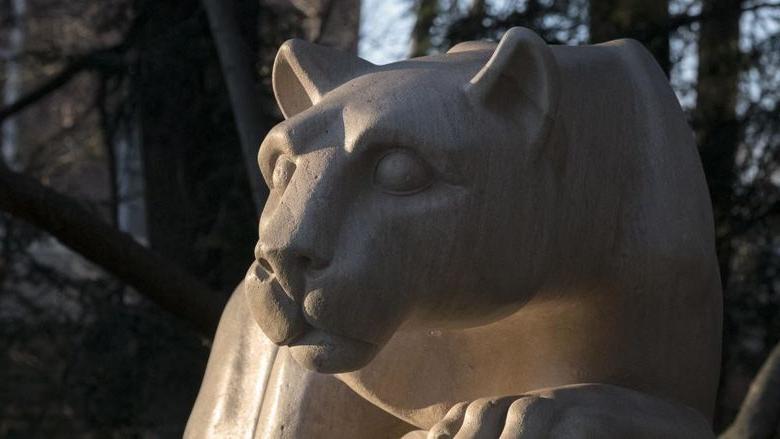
{"x": 300, "y": 135}
{"x": 363, "y": 137}
{"x": 352, "y": 142}
{"x": 291, "y": 139}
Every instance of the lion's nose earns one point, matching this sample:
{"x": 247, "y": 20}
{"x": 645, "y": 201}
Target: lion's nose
{"x": 296, "y": 231}
{"x": 275, "y": 259}
{"x": 291, "y": 264}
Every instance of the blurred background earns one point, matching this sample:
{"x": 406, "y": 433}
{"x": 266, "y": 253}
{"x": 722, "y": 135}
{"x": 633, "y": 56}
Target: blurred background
{"x": 129, "y": 193}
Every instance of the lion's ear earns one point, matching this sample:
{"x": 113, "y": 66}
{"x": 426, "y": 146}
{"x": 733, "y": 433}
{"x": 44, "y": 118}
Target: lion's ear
{"x": 303, "y": 72}
{"x": 522, "y": 68}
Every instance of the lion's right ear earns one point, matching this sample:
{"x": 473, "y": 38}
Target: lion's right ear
{"x": 521, "y": 71}
{"x": 303, "y": 72}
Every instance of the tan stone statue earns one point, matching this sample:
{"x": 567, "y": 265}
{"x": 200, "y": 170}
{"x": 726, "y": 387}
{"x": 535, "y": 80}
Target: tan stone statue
{"x": 509, "y": 240}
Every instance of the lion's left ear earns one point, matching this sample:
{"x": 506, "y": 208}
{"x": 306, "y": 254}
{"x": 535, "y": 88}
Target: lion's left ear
{"x": 303, "y": 72}
{"x": 521, "y": 69}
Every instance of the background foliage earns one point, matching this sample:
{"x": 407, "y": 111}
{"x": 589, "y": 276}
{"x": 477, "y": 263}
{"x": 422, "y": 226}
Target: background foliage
{"x": 122, "y": 107}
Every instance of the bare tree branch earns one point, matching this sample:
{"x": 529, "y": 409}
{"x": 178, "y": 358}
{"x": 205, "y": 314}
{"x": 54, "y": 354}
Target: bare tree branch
{"x": 100, "y": 58}
{"x": 687, "y": 19}
{"x": 167, "y": 285}
{"x": 759, "y": 417}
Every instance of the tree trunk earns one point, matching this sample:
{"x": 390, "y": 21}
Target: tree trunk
{"x": 236, "y": 62}
{"x": 427, "y": 10}
{"x": 334, "y": 23}
{"x": 715, "y": 118}
{"x": 12, "y": 84}
{"x": 198, "y": 204}
{"x": 718, "y": 131}
{"x": 645, "y": 21}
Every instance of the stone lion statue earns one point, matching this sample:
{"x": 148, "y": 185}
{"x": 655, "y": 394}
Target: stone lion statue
{"x": 509, "y": 240}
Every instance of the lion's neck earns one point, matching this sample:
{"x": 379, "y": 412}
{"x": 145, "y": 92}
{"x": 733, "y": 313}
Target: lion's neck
{"x": 603, "y": 336}
{"x": 420, "y": 374}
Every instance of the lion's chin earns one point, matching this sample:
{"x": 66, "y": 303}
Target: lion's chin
{"x": 328, "y": 353}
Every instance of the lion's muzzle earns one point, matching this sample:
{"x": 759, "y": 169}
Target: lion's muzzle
{"x": 277, "y": 314}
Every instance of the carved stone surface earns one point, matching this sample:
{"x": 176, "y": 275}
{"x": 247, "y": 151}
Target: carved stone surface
{"x": 460, "y": 243}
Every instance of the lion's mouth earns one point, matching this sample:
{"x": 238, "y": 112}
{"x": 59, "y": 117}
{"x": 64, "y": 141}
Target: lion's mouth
{"x": 277, "y": 314}
{"x": 282, "y": 318}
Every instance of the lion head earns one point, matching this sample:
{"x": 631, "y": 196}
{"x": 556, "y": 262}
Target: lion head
{"x": 389, "y": 203}
{"x": 452, "y": 191}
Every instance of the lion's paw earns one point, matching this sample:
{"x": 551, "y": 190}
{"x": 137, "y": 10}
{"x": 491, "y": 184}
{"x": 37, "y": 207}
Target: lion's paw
{"x": 582, "y": 411}
{"x": 508, "y": 417}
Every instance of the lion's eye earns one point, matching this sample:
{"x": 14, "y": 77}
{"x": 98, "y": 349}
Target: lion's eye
{"x": 283, "y": 171}
{"x": 401, "y": 172}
